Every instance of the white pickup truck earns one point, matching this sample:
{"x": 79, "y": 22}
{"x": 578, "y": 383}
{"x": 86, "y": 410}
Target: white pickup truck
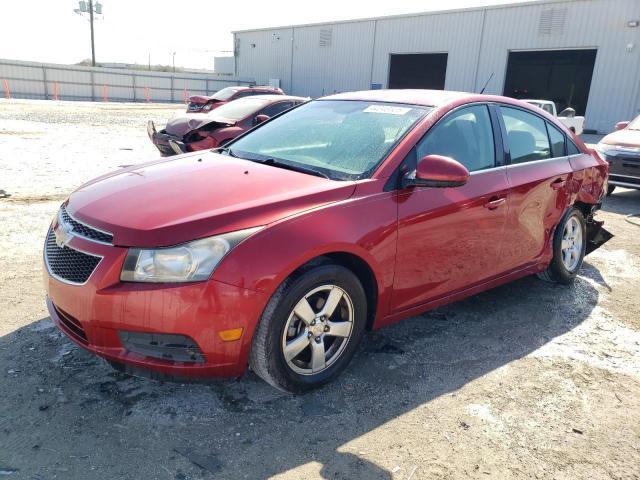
{"x": 567, "y": 116}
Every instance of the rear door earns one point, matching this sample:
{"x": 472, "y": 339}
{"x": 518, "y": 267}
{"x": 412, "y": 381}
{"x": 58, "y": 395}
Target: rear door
{"x": 450, "y": 238}
{"x": 539, "y": 173}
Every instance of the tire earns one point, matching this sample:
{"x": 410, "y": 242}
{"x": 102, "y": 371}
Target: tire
{"x": 610, "y": 189}
{"x": 279, "y": 326}
{"x": 564, "y": 266}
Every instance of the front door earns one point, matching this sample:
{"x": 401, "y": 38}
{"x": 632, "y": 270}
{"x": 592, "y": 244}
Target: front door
{"x": 450, "y": 238}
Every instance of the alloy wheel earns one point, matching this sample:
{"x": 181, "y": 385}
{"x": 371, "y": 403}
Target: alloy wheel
{"x": 318, "y": 330}
{"x": 572, "y": 244}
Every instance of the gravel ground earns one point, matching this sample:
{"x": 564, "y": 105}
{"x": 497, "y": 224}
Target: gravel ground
{"x": 529, "y": 380}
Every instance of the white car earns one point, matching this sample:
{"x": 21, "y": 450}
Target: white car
{"x": 567, "y": 117}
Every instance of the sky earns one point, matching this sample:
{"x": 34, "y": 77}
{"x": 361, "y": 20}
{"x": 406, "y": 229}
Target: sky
{"x": 129, "y": 31}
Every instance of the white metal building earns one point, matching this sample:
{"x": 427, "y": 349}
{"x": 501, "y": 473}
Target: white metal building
{"x": 579, "y": 53}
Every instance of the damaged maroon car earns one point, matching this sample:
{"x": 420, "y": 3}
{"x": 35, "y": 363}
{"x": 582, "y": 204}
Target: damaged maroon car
{"x": 189, "y": 133}
{"x": 204, "y": 103}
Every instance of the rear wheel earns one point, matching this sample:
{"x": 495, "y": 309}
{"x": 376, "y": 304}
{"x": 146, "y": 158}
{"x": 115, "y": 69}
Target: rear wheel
{"x": 569, "y": 244}
{"x": 310, "y": 329}
{"x": 610, "y": 189}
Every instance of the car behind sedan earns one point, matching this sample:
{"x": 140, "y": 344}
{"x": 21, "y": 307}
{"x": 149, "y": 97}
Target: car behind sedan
{"x": 204, "y": 103}
{"x": 622, "y": 150}
{"x": 347, "y": 213}
{"x": 189, "y": 133}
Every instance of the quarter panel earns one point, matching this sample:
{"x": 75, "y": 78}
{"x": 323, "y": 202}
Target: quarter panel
{"x": 535, "y": 209}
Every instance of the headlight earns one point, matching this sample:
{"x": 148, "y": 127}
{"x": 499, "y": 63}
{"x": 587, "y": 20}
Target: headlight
{"x": 189, "y": 262}
{"x": 604, "y": 149}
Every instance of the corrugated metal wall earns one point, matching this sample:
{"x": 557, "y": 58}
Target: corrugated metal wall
{"x": 38, "y": 80}
{"x": 478, "y": 42}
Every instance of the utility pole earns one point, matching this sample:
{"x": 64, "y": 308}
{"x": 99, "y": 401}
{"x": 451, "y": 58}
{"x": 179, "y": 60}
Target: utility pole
{"x": 91, "y": 9}
{"x": 93, "y": 47}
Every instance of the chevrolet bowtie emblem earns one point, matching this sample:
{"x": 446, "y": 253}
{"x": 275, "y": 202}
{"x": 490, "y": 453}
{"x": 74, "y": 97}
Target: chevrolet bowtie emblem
{"x": 63, "y": 233}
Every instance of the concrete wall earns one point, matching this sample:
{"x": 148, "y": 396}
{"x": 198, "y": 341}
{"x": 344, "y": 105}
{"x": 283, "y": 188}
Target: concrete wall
{"x": 478, "y": 42}
{"x": 38, "y": 80}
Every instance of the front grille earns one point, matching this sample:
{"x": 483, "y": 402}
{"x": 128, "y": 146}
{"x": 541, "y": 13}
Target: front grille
{"x": 67, "y": 264}
{"x": 83, "y": 230}
{"x": 72, "y": 325}
{"x": 624, "y": 179}
{"x": 195, "y": 107}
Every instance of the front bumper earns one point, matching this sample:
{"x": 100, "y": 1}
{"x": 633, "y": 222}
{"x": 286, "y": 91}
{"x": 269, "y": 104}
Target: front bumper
{"x": 161, "y": 140}
{"x": 624, "y": 169}
{"x": 95, "y": 314}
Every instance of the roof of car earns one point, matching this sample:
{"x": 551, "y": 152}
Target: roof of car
{"x": 272, "y": 97}
{"x": 430, "y": 98}
{"x": 255, "y": 87}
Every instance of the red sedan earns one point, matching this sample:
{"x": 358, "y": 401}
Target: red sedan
{"x": 345, "y": 214}
{"x": 188, "y": 133}
{"x": 204, "y": 104}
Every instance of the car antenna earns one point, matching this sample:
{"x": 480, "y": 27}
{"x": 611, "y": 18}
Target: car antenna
{"x": 487, "y": 83}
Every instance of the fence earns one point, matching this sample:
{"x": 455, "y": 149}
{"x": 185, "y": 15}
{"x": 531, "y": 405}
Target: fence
{"x": 70, "y": 82}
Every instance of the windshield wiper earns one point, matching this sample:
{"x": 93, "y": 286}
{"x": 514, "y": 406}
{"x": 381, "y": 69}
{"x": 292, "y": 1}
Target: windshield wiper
{"x": 295, "y": 168}
{"x": 227, "y": 151}
{"x": 274, "y": 162}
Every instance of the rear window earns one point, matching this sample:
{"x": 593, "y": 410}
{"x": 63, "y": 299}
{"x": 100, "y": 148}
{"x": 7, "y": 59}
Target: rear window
{"x": 239, "y": 109}
{"x": 224, "y": 94}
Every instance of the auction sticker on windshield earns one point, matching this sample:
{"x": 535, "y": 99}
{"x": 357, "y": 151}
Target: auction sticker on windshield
{"x": 391, "y": 110}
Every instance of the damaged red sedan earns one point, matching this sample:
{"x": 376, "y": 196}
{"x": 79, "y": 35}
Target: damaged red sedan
{"x": 345, "y": 214}
{"x": 189, "y": 133}
{"x": 204, "y": 103}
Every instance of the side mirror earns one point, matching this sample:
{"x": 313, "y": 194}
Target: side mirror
{"x": 437, "y": 171}
{"x": 260, "y": 118}
{"x": 622, "y": 125}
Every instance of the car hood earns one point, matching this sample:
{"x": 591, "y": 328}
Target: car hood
{"x": 624, "y": 138}
{"x": 180, "y": 126}
{"x": 192, "y": 196}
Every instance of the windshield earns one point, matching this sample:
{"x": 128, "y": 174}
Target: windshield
{"x": 239, "y": 109}
{"x": 635, "y": 124}
{"x": 344, "y": 140}
{"x": 224, "y": 94}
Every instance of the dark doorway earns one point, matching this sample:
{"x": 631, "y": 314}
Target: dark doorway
{"x": 563, "y": 76}
{"x": 418, "y": 70}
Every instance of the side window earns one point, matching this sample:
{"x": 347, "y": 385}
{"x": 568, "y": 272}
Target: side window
{"x": 526, "y": 135}
{"x": 465, "y": 135}
{"x": 244, "y": 93}
{"x": 557, "y": 141}
{"x": 572, "y": 149}
{"x": 276, "y": 108}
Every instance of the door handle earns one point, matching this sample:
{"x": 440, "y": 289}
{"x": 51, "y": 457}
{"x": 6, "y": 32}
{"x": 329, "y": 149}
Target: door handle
{"x": 558, "y": 183}
{"x": 494, "y": 203}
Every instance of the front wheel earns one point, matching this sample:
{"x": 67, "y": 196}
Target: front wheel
{"x": 310, "y": 329}
{"x": 610, "y": 189}
{"x": 569, "y": 246}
